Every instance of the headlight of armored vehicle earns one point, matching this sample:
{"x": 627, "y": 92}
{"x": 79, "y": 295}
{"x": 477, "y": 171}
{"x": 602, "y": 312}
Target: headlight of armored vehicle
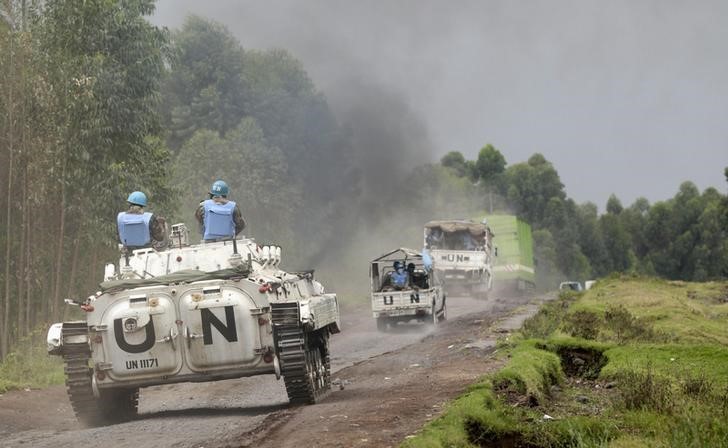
{"x": 54, "y": 339}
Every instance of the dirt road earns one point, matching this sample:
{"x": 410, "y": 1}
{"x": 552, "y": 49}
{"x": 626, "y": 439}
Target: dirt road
{"x": 387, "y": 386}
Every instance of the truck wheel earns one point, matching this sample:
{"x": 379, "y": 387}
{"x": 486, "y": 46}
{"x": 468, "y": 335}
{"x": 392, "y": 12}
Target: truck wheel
{"x": 443, "y": 316}
{"x": 382, "y": 324}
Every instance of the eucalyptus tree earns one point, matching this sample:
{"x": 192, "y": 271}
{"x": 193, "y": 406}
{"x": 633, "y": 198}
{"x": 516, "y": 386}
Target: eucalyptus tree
{"x": 104, "y": 62}
{"x": 79, "y": 97}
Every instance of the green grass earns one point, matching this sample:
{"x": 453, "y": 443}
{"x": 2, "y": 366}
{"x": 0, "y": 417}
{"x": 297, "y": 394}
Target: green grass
{"x": 530, "y": 373}
{"x": 634, "y": 362}
{"x": 674, "y": 360}
{"x": 478, "y": 406}
{"x": 30, "y": 366}
{"x": 685, "y": 312}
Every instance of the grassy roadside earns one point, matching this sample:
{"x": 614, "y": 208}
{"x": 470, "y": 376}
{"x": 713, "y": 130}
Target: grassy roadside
{"x": 30, "y": 366}
{"x": 630, "y": 363}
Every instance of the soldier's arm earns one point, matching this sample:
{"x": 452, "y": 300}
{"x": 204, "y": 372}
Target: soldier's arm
{"x": 200, "y": 213}
{"x": 156, "y": 228}
{"x": 238, "y": 220}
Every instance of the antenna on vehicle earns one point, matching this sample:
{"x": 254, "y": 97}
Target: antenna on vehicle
{"x": 235, "y": 259}
{"x": 126, "y": 271}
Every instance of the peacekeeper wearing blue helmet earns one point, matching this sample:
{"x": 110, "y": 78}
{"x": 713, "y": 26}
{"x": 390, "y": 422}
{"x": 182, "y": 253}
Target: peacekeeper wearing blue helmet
{"x": 400, "y": 277}
{"x": 219, "y": 218}
{"x": 137, "y": 228}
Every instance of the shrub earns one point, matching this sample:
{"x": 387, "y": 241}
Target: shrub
{"x": 547, "y": 320}
{"x": 30, "y": 366}
{"x": 625, "y": 326}
{"x": 700, "y": 386}
{"x": 643, "y": 390}
{"x": 583, "y": 324}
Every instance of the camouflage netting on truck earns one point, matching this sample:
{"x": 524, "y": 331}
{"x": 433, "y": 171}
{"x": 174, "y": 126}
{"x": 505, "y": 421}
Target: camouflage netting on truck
{"x": 475, "y": 229}
{"x": 186, "y": 276}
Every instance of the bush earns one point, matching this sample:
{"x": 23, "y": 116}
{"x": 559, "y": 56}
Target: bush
{"x": 583, "y": 324}
{"x": 625, "y": 326}
{"x": 579, "y": 431}
{"x": 29, "y": 365}
{"x": 700, "y": 386}
{"x": 547, "y": 320}
{"x": 643, "y": 390}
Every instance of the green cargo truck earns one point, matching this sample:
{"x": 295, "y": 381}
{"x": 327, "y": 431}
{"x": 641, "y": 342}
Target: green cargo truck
{"x": 513, "y": 269}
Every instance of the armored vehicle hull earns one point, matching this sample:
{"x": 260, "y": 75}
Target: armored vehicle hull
{"x": 234, "y": 315}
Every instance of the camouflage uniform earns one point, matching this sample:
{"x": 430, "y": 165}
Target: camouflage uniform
{"x": 157, "y": 230}
{"x": 237, "y": 215}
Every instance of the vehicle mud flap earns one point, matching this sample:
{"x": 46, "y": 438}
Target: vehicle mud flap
{"x": 304, "y": 356}
{"x": 92, "y": 410}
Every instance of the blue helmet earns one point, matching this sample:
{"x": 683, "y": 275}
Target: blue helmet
{"x": 219, "y": 188}
{"x": 398, "y": 265}
{"x": 137, "y": 198}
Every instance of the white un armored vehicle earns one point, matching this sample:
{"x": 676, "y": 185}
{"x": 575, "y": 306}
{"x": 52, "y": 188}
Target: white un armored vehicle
{"x": 462, "y": 253}
{"x": 404, "y": 287}
{"x": 196, "y": 313}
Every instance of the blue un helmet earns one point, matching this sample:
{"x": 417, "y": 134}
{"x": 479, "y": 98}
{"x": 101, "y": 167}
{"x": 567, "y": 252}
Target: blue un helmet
{"x": 137, "y": 198}
{"x": 219, "y": 188}
{"x": 398, "y": 265}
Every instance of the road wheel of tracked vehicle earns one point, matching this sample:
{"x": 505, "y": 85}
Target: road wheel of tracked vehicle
{"x": 308, "y": 376}
{"x": 316, "y": 369}
{"x": 110, "y": 406}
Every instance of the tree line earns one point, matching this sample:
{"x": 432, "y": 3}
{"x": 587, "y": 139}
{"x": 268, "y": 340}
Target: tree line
{"x": 79, "y": 130}
{"x": 682, "y": 238}
{"x": 96, "y": 102}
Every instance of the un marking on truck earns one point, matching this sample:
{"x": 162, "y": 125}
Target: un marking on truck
{"x": 456, "y": 257}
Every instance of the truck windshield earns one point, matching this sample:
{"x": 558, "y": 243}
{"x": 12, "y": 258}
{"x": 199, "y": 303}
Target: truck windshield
{"x": 460, "y": 240}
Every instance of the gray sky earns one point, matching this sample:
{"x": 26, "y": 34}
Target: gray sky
{"x": 627, "y": 97}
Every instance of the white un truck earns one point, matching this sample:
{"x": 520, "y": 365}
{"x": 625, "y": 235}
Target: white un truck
{"x": 203, "y": 312}
{"x": 462, "y": 252}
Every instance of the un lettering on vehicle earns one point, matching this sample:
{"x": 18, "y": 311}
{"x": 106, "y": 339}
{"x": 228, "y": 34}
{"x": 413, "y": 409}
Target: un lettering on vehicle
{"x": 459, "y": 258}
{"x": 221, "y": 331}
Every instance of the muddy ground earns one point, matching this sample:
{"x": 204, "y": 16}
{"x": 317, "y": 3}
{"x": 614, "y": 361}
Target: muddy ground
{"x": 388, "y": 385}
